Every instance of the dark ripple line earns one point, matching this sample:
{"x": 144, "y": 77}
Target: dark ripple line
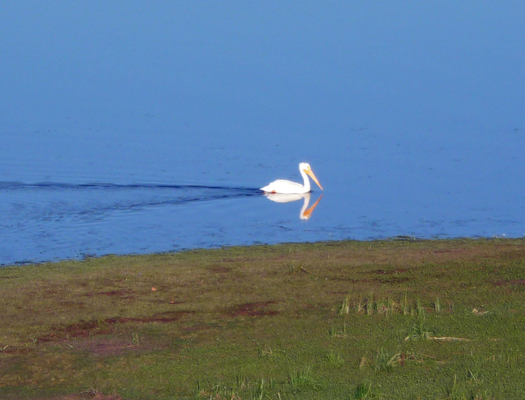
{"x": 101, "y": 185}
{"x": 149, "y": 204}
{"x": 130, "y": 205}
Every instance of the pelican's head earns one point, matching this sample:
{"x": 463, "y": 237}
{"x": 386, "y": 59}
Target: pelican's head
{"x": 305, "y": 167}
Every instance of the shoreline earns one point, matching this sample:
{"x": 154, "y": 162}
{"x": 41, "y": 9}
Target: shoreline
{"x": 399, "y": 238}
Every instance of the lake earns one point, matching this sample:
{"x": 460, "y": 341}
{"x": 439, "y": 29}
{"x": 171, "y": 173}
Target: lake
{"x": 131, "y": 127}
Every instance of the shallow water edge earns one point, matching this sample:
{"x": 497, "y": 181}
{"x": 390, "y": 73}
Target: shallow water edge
{"x": 292, "y": 246}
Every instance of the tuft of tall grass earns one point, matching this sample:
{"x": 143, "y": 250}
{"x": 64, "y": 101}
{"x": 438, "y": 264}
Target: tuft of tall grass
{"x": 240, "y": 381}
{"x": 335, "y": 332}
{"x": 334, "y": 358}
{"x": 419, "y": 330}
{"x": 369, "y": 306}
{"x": 259, "y": 390}
{"x": 264, "y": 350}
{"x": 388, "y": 307}
{"x": 363, "y": 391}
{"x": 404, "y": 305}
{"x": 420, "y": 310}
{"x": 344, "y": 308}
{"x": 385, "y": 360}
{"x": 256, "y": 389}
{"x": 437, "y": 306}
{"x": 302, "y": 378}
{"x": 511, "y": 357}
{"x": 464, "y": 391}
{"x": 135, "y": 341}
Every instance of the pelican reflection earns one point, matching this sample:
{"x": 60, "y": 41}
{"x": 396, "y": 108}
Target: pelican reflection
{"x": 306, "y": 212}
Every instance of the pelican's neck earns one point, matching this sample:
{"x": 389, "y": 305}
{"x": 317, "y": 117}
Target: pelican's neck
{"x": 306, "y": 180}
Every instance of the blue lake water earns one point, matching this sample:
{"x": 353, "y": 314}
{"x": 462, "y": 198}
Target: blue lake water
{"x": 131, "y": 127}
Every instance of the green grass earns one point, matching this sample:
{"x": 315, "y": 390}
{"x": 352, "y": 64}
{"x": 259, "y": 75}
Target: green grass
{"x": 339, "y": 320}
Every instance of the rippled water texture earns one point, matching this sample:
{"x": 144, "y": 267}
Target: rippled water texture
{"x": 136, "y": 128}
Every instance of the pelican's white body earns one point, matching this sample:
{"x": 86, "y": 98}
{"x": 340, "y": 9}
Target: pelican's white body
{"x": 288, "y": 187}
{"x": 282, "y": 186}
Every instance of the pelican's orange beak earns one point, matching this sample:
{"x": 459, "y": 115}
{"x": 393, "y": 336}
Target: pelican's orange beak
{"x": 311, "y": 174}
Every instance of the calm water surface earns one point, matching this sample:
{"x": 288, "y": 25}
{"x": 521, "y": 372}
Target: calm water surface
{"x": 128, "y": 127}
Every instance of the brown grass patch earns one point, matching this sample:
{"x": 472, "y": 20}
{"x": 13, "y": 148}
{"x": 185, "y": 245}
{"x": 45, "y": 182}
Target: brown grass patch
{"x": 84, "y": 329}
{"x": 515, "y": 282}
{"x": 112, "y": 346}
{"x": 395, "y": 279}
{"x": 390, "y": 272}
{"x": 257, "y": 309}
{"x": 123, "y": 294}
{"x": 85, "y": 396}
{"x": 102, "y": 346}
{"x": 220, "y": 270}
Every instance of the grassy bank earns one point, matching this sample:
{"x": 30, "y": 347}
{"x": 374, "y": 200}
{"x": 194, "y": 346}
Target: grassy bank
{"x": 345, "y": 320}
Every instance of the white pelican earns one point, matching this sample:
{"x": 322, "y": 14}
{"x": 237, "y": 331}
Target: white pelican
{"x": 305, "y": 212}
{"x": 287, "y": 187}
